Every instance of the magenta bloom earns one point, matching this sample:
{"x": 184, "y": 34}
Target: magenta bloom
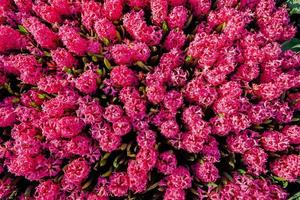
{"x": 169, "y": 129}
{"x": 121, "y": 126}
{"x": 147, "y": 156}
{"x": 91, "y": 13}
{"x": 79, "y": 145}
{"x": 211, "y": 150}
{"x": 146, "y": 138}
{"x": 274, "y": 141}
{"x": 287, "y": 167}
{"x": 109, "y": 142}
{"x": 63, "y": 58}
{"x": 206, "y": 172}
{"x": 122, "y": 76}
{"x": 118, "y": 184}
{"x": 255, "y": 159}
{"x": 173, "y": 100}
{"x": 198, "y": 92}
{"x": 156, "y": 93}
{"x": 76, "y": 171}
{"x": 7, "y": 116}
{"x": 69, "y": 126}
{"x": 243, "y": 141}
{"x": 7, "y": 44}
{"x": 105, "y": 29}
{"x": 87, "y": 82}
{"x": 47, "y": 12}
{"x": 177, "y": 17}
{"x": 166, "y": 162}
{"x": 135, "y": 24}
{"x": 47, "y": 190}
{"x": 138, "y": 3}
{"x": 174, "y": 194}
{"x": 41, "y": 33}
{"x": 192, "y": 143}
{"x": 129, "y": 53}
{"x": 113, "y": 9}
{"x": 180, "y": 178}
{"x": 6, "y": 187}
{"x": 200, "y": 7}
{"x": 292, "y": 132}
{"x": 51, "y": 84}
{"x": 113, "y": 113}
{"x": 75, "y": 43}
{"x": 243, "y": 186}
{"x": 175, "y": 39}
{"x": 137, "y": 176}
{"x": 159, "y": 11}
{"x": 24, "y": 5}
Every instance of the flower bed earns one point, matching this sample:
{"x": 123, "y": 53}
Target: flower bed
{"x": 159, "y": 99}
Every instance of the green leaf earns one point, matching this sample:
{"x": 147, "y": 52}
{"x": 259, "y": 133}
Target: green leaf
{"x": 104, "y": 158}
{"x": 107, "y": 173}
{"x": 188, "y": 59}
{"x": 58, "y": 178}
{"x": 13, "y": 195}
{"x": 129, "y": 151}
{"x": 189, "y": 21}
{"x": 47, "y": 53}
{"x": 191, "y": 158}
{"x": 8, "y": 88}
{"x": 279, "y": 178}
{"x": 285, "y": 184}
{"x": 28, "y": 191}
{"x": 221, "y": 27}
{"x": 85, "y": 59}
{"x": 165, "y": 26}
{"x": 123, "y": 147}
{"x": 119, "y": 37}
{"x": 212, "y": 184}
{"x": 228, "y": 176}
{"x": 295, "y": 196}
{"x": 68, "y": 70}
{"x": 267, "y": 121}
{"x": 294, "y": 6}
{"x": 87, "y": 184}
{"x": 94, "y": 59}
{"x": 194, "y": 191}
{"x": 242, "y": 171}
{"x": 153, "y": 186}
{"x": 99, "y": 71}
{"x": 22, "y": 29}
{"x": 105, "y": 41}
{"x": 40, "y": 60}
{"x": 295, "y": 11}
{"x": 33, "y": 104}
{"x": 295, "y": 119}
{"x": 107, "y": 64}
{"x": 293, "y": 44}
{"x": 117, "y": 162}
{"x": 16, "y": 100}
{"x": 143, "y": 66}
{"x": 42, "y": 96}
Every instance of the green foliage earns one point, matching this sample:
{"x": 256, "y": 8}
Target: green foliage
{"x": 293, "y": 44}
{"x": 295, "y": 197}
{"x": 294, "y": 6}
{"x": 22, "y": 29}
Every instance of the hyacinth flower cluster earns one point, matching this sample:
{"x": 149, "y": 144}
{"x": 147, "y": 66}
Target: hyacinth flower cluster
{"x": 149, "y": 99}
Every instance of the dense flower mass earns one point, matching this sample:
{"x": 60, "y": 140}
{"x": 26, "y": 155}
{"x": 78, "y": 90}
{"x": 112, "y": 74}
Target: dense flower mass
{"x": 149, "y": 99}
